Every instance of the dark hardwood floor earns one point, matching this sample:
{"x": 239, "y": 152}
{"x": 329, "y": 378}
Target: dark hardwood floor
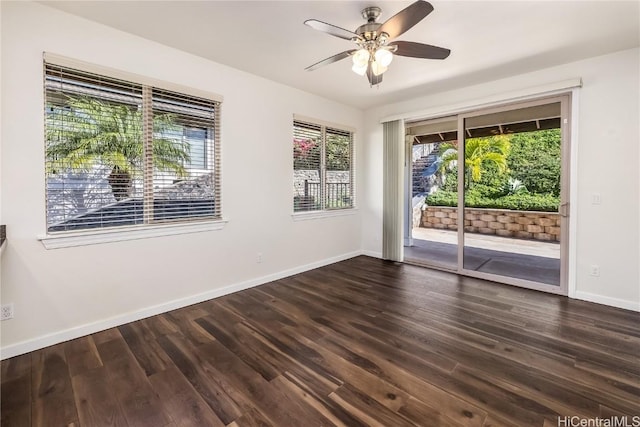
{"x": 361, "y": 342}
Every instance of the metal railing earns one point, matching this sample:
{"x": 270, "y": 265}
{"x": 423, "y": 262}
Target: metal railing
{"x": 421, "y": 150}
{"x": 338, "y": 195}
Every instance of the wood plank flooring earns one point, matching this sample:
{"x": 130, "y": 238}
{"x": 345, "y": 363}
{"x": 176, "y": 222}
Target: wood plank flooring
{"x": 359, "y": 343}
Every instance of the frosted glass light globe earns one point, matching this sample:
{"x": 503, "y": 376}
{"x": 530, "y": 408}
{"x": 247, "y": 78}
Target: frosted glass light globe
{"x": 383, "y": 57}
{"x": 359, "y": 69}
{"x": 361, "y": 57}
{"x": 377, "y": 68}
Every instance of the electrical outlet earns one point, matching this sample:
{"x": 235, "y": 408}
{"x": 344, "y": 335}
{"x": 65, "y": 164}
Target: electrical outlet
{"x": 6, "y": 311}
{"x": 259, "y": 258}
{"x": 594, "y": 270}
{"x": 596, "y": 199}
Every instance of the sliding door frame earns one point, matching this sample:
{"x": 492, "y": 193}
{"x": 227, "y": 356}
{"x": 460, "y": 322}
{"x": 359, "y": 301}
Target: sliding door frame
{"x": 565, "y": 99}
{"x": 565, "y": 130}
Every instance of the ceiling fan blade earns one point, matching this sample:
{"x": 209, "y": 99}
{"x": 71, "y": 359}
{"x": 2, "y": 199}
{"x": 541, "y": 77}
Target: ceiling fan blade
{"x": 406, "y": 18}
{"x": 331, "y": 29}
{"x": 373, "y": 79}
{"x": 331, "y": 60}
{"x": 420, "y": 50}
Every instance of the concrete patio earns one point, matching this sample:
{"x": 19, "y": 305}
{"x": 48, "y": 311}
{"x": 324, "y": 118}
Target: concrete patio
{"x": 524, "y": 259}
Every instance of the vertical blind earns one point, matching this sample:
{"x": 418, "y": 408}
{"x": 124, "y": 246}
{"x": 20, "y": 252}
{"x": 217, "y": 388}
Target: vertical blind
{"x": 119, "y": 153}
{"x": 392, "y": 194}
{"x": 322, "y": 167}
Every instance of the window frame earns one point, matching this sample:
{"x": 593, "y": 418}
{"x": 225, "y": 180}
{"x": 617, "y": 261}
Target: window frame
{"x": 88, "y": 236}
{"x": 324, "y": 211}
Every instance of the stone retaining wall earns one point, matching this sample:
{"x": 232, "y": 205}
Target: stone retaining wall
{"x": 502, "y": 222}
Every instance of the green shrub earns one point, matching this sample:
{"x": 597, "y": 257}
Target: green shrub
{"x": 519, "y": 202}
{"x": 535, "y": 159}
{"x": 529, "y": 202}
{"x": 451, "y": 179}
{"x": 479, "y": 191}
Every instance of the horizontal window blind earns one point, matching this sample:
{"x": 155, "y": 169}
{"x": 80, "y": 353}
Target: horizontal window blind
{"x": 183, "y": 129}
{"x": 322, "y": 167}
{"x": 122, "y": 154}
{"x": 307, "y": 167}
{"x": 339, "y": 182}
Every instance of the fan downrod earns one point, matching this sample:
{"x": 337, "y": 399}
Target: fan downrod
{"x": 371, "y": 13}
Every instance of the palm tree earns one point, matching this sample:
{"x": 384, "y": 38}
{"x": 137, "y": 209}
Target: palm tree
{"x": 87, "y": 132}
{"x": 477, "y": 153}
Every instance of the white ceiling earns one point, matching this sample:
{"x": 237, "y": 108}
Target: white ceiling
{"x": 488, "y": 39}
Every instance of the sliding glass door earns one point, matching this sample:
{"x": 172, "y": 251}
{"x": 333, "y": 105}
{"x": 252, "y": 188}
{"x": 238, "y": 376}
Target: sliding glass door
{"x": 432, "y": 236}
{"x": 511, "y": 193}
{"x": 498, "y": 195}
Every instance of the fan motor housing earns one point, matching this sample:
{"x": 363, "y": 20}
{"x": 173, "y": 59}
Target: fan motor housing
{"x": 368, "y": 31}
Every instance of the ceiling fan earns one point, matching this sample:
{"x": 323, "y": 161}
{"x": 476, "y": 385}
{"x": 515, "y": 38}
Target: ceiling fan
{"x": 375, "y": 51}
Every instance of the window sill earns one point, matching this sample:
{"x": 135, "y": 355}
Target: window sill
{"x": 84, "y": 238}
{"x": 304, "y": 216}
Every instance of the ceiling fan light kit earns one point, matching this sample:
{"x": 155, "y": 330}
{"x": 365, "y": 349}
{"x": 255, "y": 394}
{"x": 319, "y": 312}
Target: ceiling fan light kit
{"x": 374, "y": 53}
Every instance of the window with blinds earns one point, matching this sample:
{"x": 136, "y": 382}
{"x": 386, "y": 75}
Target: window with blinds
{"x": 322, "y": 167}
{"x": 119, "y": 153}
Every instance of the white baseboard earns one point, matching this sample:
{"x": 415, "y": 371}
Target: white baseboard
{"x": 372, "y": 254}
{"x": 614, "y": 302}
{"x": 101, "y": 325}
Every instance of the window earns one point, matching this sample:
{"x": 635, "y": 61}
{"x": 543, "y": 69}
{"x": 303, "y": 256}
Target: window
{"x": 322, "y": 167}
{"x": 121, "y": 153}
{"x": 196, "y": 139}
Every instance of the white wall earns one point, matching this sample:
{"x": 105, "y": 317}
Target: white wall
{"x": 81, "y": 289}
{"x": 607, "y": 163}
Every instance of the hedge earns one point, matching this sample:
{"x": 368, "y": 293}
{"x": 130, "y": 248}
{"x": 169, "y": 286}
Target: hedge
{"x": 518, "y": 202}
